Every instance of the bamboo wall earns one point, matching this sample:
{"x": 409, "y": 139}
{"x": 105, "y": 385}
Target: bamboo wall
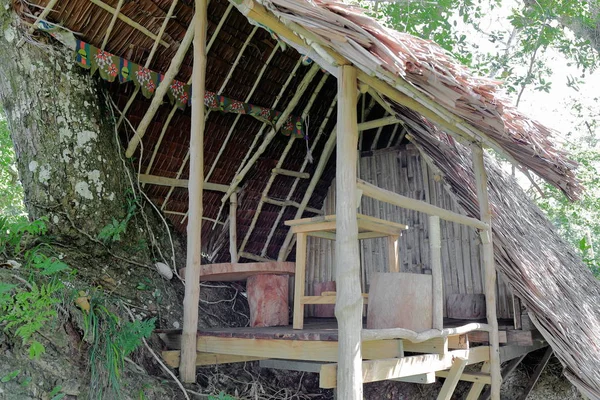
{"x": 404, "y": 172}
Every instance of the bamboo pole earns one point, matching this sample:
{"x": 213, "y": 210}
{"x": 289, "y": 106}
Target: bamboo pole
{"x": 220, "y": 91}
{"x": 112, "y": 24}
{"x": 349, "y": 302}
{"x": 161, "y": 91}
{"x": 129, "y": 21}
{"x": 282, "y": 158}
{"x": 267, "y": 139}
{"x": 435, "y": 246}
{"x": 417, "y": 205}
{"x": 297, "y": 180}
{"x": 233, "y": 228}
{"x": 489, "y": 268}
{"x": 327, "y": 150}
{"x": 187, "y": 365}
{"x": 161, "y": 32}
{"x": 43, "y": 15}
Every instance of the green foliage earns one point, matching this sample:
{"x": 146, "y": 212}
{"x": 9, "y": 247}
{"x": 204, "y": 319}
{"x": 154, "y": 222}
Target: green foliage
{"x": 111, "y": 341}
{"x": 26, "y": 310}
{"x": 11, "y": 200}
{"x": 113, "y": 231}
{"x": 10, "y": 376}
{"x": 12, "y": 232}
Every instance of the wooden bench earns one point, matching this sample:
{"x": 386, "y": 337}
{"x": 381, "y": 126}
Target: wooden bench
{"x": 266, "y": 285}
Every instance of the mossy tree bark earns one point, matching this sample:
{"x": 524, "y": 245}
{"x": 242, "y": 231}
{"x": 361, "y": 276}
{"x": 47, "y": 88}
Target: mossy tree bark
{"x": 63, "y": 132}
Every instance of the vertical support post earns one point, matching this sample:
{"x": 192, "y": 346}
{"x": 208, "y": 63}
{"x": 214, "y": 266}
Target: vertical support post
{"x": 233, "y": 227}
{"x": 349, "y": 304}
{"x": 187, "y": 364}
{"x": 299, "y": 280}
{"x": 489, "y": 268}
{"x": 435, "y": 250}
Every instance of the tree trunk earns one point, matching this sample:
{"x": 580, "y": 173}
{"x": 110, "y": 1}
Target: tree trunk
{"x": 64, "y": 136}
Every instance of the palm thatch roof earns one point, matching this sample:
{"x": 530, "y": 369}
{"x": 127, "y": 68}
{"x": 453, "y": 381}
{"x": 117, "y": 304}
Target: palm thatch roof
{"x": 430, "y": 92}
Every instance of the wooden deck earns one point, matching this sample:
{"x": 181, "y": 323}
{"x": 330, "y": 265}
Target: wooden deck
{"x": 315, "y": 349}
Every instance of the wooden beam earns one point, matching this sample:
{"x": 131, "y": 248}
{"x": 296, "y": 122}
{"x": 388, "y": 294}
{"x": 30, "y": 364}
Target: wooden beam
{"x": 506, "y": 371}
{"x": 391, "y": 368}
{"x": 182, "y": 183}
{"x": 49, "y": 8}
{"x": 425, "y": 379}
{"x": 250, "y": 256}
{"x": 172, "y": 358}
{"x": 239, "y": 116}
{"x": 233, "y": 253}
{"x": 475, "y": 377}
{"x": 129, "y": 21}
{"x": 292, "y": 365}
{"x": 112, "y": 24}
{"x": 269, "y": 137}
{"x": 297, "y": 180}
{"x": 387, "y": 196}
{"x": 323, "y": 160}
{"x": 513, "y": 351}
{"x": 290, "y": 203}
{"x": 305, "y": 350}
{"x": 161, "y": 32}
{"x": 401, "y": 333}
{"x": 478, "y": 387}
{"x": 282, "y": 157}
{"x": 488, "y": 267}
{"x": 349, "y": 305}
{"x": 294, "y": 174}
{"x": 435, "y": 251}
{"x": 452, "y": 378}
{"x": 162, "y": 89}
{"x": 187, "y": 366}
{"x": 377, "y": 123}
{"x": 536, "y": 374}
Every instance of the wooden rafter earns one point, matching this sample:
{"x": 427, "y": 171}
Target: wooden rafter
{"x": 161, "y": 90}
{"x": 174, "y": 182}
{"x": 297, "y": 180}
{"x": 129, "y": 21}
{"x": 49, "y": 8}
{"x": 288, "y": 243}
{"x": 220, "y": 91}
{"x": 112, "y": 24}
{"x": 280, "y": 162}
{"x": 269, "y": 137}
{"x": 161, "y": 32}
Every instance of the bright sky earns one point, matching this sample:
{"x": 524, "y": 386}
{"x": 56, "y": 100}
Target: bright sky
{"x": 552, "y": 109}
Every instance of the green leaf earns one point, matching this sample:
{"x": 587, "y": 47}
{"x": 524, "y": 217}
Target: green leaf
{"x": 36, "y": 349}
{"x": 55, "y": 390}
{"x": 10, "y": 376}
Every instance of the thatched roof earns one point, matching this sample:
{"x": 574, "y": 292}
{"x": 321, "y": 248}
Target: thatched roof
{"x": 250, "y": 64}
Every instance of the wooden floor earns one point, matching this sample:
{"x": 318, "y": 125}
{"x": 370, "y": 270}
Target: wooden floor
{"x": 315, "y": 349}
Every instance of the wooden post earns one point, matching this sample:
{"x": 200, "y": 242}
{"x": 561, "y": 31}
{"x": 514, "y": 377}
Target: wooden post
{"x": 489, "y": 268}
{"x": 233, "y": 227}
{"x": 393, "y": 253}
{"x": 349, "y": 304}
{"x": 452, "y": 379}
{"x": 435, "y": 246}
{"x": 187, "y": 365}
{"x": 299, "y": 281}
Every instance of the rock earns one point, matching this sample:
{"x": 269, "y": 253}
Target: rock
{"x": 164, "y": 270}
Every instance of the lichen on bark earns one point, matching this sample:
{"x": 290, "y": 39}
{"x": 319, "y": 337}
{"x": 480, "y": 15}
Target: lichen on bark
{"x": 63, "y": 132}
